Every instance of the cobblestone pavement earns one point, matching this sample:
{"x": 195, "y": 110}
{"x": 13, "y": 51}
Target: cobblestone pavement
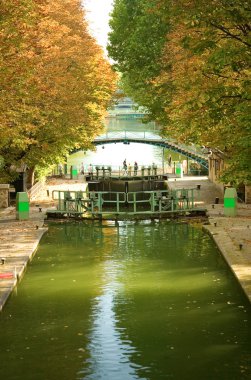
{"x": 19, "y": 239}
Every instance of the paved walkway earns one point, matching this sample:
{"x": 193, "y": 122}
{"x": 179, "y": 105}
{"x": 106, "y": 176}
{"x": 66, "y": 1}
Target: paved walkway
{"x": 19, "y": 239}
{"x": 18, "y": 243}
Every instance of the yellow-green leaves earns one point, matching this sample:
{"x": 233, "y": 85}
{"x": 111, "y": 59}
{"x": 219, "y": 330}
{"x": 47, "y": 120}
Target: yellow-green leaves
{"x": 55, "y": 82}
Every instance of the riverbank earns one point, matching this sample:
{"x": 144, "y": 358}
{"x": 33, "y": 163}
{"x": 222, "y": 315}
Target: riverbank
{"x": 19, "y": 239}
{"x": 18, "y": 243}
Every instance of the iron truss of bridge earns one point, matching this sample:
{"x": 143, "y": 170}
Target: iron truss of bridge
{"x": 151, "y": 138}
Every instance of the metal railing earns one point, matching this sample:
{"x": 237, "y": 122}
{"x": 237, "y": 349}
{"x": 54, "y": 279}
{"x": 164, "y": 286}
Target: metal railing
{"x": 73, "y": 203}
{"x": 36, "y": 189}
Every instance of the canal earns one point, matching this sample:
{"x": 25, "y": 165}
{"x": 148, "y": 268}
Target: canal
{"x": 131, "y": 300}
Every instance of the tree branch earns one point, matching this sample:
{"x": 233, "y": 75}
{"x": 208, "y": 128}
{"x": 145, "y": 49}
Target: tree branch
{"x": 229, "y": 34}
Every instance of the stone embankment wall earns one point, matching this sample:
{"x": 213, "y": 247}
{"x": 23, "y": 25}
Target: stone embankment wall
{"x": 4, "y": 195}
{"x": 248, "y": 194}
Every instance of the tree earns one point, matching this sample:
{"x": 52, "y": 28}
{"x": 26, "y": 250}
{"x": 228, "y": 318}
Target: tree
{"x": 135, "y": 43}
{"x": 202, "y": 76}
{"x": 56, "y": 83}
{"x": 211, "y": 80}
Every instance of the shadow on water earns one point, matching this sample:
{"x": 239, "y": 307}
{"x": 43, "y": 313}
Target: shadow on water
{"x": 129, "y": 301}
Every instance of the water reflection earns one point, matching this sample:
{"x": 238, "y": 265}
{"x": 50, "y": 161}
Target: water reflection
{"x": 109, "y": 354}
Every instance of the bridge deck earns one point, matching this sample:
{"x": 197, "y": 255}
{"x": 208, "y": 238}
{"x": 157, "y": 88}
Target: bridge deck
{"x": 152, "y": 138}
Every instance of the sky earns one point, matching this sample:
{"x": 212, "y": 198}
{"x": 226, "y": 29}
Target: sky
{"x": 98, "y": 18}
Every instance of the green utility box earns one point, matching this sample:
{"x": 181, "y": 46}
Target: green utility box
{"x": 230, "y": 202}
{"x": 74, "y": 172}
{"x": 22, "y": 206}
{"x": 179, "y": 170}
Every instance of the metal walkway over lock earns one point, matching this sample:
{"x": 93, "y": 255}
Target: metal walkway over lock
{"x": 78, "y": 203}
{"x": 151, "y": 138}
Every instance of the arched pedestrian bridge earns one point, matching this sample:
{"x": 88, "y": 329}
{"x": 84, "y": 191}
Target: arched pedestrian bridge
{"x": 151, "y": 138}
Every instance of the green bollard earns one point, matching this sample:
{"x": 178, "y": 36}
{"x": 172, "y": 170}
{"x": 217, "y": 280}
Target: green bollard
{"x": 22, "y": 206}
{"x": 230, "y": 202}
{"x": 74, "y": 172}
{"x": 179, "y": 170}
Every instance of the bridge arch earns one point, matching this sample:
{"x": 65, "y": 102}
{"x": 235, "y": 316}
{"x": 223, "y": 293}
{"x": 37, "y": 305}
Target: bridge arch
{"x": 197, "y": 157}
{"x": 150, "y": 139}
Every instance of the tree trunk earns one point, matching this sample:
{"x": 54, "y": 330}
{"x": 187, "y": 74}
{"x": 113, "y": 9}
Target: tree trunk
{"x": 30, "y": 177}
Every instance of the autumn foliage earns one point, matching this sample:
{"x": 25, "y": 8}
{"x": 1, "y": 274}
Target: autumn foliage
{"x": 194, "y": 76}
{"x": 55, "y": 83}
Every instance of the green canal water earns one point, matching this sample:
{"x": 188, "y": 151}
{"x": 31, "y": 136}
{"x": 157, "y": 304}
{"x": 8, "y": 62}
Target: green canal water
{"x": 136, "y": 300}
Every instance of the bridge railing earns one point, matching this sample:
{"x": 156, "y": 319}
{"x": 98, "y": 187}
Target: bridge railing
{"x": 139, "y": 135}
{"x": 149, "y": 136}
{"x": 101, "y": 171}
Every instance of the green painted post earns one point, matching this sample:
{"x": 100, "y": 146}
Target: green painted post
{"x": 22, "y": 206}
{"x": 179, "y": 170}
{"x": 100, "y": 202}
{"x": 192, "y": 198}
{"x": 160, "y": 204}
{"x": 103, "y": 170}
{"x": 117, "y": 202}
{"x": 74, "y": 172}
{"x": 230, "y": 202}
{"x": 152, "y": 202}
{"x": 59, "y": 201}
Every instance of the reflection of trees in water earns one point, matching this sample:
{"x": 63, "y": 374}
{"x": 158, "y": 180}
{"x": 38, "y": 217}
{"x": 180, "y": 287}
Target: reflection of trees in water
{"x": 164, "y": 239}
{"x": 161, "y": 287}
{"x": 173, "y": 307}
{"x": 144, "y": 238}
{"x": 84, "y": 232}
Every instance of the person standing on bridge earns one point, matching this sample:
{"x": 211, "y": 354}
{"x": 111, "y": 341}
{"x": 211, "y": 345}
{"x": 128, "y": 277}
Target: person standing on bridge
{"x": 124, "y": 167}
{"x": 170, "y": 160}
{"x": 129, "y": 169}
{"x": 90, "y": 169}
{"x": 82, "y": 170}
{"x": 135, "y": 168}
